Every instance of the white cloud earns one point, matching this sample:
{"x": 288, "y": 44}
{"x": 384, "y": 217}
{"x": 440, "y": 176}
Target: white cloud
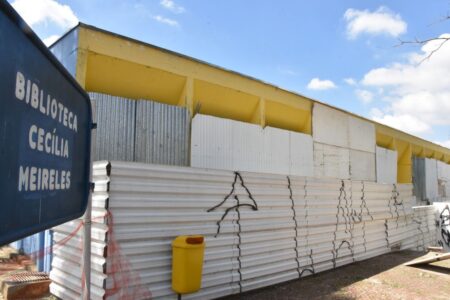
{"x": 418, "y": 90}
{"x": 166, "y": 21}
{"x": 37, "y": 12}
{"x": 317, "y": 84}
{"x": 381, "y": 21}
{"x": 172, "y": 6}
{"x": 51, "y": 39}
{"x": 350, "y": 81}
{"x": 443, "y": 143}
{"x": 364, "y": 95}
{"x": 404, "y": 122}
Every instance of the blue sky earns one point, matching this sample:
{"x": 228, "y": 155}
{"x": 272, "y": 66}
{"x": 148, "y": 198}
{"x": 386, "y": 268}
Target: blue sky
{"x": 340, "y": 52}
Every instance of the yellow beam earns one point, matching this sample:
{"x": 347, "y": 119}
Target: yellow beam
{"x": 259, "y": 115}
{"x": 187, "y": 96}
{"x": 108, "y": 44}
{"x": 447, "y": 158}
{"x": 404, "y": 162}
{"x": 383, "y": 130}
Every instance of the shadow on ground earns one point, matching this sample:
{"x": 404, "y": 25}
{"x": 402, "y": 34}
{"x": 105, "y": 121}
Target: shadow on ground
{"x": 332, "y": 284}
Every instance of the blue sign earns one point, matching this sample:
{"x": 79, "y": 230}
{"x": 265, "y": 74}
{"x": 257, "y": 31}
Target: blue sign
{"x": 45, "y": 131}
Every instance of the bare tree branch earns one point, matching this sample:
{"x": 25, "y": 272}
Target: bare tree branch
{"x": 422, "y": 42}
{"x": 443, "y": 19}
{"x": 417, "y": 41}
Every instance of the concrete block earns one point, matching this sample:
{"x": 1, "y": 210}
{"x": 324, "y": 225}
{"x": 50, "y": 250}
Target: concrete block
{"x": 443, "y": 171}
{"x": 444, "y": 190}
{"x": 331, "y": 161}
{"x": 330, "y": 126}
{"x": 361, "y": 135}
{"x": 386, "y": 165}
{"x": 362, "y": 165}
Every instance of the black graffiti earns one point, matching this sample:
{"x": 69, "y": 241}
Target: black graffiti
{"x": 253, "y": 205}
{"x": 444, "y": 221}
{"x": 311, "y": 268}
{"x": 294, "y": 218}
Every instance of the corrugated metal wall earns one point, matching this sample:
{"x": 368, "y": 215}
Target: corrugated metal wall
{"x": 425, "y": 220}
{"x": 425, "y": 179}
{"x": 116, "y": 122}
{"x": 66, "y": 273}
{"x": 162, "y": 134}
{"x": 311, "y": 224}
{"x": 141, "y": 131}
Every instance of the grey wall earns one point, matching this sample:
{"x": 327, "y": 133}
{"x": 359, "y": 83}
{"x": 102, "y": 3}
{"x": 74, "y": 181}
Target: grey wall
{"x": 66, "y": 52}
{"x": 140, "y": 130}
{"x": 116, "y": 121}
{"x": 162, "y": 134}
{"x": 425, "y": 180}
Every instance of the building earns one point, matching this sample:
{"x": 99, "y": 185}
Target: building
{"x": 152, "y": 101}
{"x": 107, "y": 63}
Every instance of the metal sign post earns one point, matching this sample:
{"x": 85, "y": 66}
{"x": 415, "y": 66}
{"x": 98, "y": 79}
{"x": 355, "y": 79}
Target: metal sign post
{"x": 45, "y": 135}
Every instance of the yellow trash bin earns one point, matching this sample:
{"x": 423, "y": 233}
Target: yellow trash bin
{"x": 187, "y": 263}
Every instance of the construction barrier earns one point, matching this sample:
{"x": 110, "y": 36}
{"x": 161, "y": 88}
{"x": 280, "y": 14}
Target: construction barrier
{"x": 259, "y": 229}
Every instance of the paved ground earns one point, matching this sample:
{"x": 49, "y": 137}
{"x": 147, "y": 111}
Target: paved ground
{"x": 383, "y": 277}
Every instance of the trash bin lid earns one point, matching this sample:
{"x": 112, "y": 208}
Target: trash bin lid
{"x": 189, "y": 241}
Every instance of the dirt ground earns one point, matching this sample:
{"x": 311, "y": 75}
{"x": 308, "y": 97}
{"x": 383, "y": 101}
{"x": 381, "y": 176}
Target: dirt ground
{"x": 382, "y": 277}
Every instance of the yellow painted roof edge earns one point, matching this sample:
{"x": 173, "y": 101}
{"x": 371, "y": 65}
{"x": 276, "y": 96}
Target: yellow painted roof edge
{"x": 381, "y": 128}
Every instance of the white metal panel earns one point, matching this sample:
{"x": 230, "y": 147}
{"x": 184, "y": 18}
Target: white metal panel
{"x": 288, "y": 221}
{"x": 231, "y": 145}
{"x": 247, "y": 147}
{"x": 211, "y": 142}
{"x": 276, "y": 150}
{"x": 386, "y": 165}
{"x": 330, "y": 126}
{"x": 311, "y": 224}
{"x": 425, "y": 229}
{"x": 362, "y": 165}
{"x": 361, "y": 135}
{"x": 301, "y": 154}
{"x": 66, "y": 272}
